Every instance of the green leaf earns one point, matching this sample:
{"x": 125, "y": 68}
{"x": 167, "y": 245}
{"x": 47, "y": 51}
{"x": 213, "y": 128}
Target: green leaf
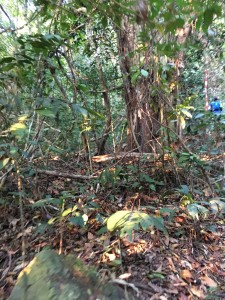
{"x": 135, "y": 76}
{"x": 186, "y": 113}
{"x": 79, "y": 109}
{"x": 4, "y": 162}
{"x": 159, "y": 224}
{"x": 184, "y": 189}
{"x": 78, "y": 221}
{"x": 47, "y": 201}
{"x": 7, "y": 59}
{"x": 57, "y": 150}
{"x": 156, "y": 275}
{"x": 166, "y": 210}
{"x": 198, "y": 116}
{"x": 82, "y": 87}
{"x": 209, "y": 15}
{"x": 217, "y": 205}
{"x": 152, "y": 187}
{"x": 195, "y": 210}
{"x": 144, "y": 73}
{"x": 47, "y": 112}
{"x": 94, "y": 113}
{"x": 118, "y": 219}
{"x": 127, "y": 222}
{"x": 173, "y": 25}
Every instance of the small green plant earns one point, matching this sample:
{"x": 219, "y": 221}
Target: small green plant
{"x": 127, "y": 221}
{"x": 110, "y": 177}
{"x": 67, "y": 211}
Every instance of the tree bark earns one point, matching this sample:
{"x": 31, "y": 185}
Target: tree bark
{"x": 142, "y": 119}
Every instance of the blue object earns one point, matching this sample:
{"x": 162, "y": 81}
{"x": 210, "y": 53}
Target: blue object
{"x": 215, "y": 107}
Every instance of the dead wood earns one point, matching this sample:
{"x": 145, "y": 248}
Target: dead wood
{"x": 120, "y": 155}
{"x": 66, "y": 175}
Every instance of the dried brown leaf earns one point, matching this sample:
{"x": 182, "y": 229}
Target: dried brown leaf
{"x": 208, "y": 281}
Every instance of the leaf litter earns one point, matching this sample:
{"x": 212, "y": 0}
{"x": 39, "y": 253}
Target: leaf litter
{"x": 188, "y": 263}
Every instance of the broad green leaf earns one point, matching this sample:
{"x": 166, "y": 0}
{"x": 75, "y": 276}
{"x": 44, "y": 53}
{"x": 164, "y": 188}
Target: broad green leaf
{"x": 144, "y": 73}
{"x": 217, "y": 205}
{"x": 78, "y": 221}
{"x": 186, "y": 113}
{"x": 118, "y": 219}
{"x": 135, "y": 76}
{"x": 159, "y": 224}
{"x": 184, "y": 189}
{"x": 167, "y": 210}
{"x": 127, "y": 222}
{"x": 198, "y": 116}
{"x": 47, "y": 112}
{"x": 152, "y": 187}
{"x": 207, "y": 18}
{"x": 195, "y": 210}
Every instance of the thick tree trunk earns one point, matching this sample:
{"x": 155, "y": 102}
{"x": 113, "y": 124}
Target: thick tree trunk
{"x": 142, "y": 120}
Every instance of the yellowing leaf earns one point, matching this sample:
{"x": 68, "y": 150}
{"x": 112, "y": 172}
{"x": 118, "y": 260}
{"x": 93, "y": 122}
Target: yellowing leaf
{"x": 4, "y": 162}
{"x": 18, "y": 126}
{"x": 23, "y": 118}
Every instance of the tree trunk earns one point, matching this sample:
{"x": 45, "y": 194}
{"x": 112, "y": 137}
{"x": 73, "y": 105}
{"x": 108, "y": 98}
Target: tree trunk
{"x": 142, "y": 112}
{"x": 106, "y": 99}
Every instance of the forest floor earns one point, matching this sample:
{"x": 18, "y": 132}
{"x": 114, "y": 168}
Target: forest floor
{"x": 188, "y": 263}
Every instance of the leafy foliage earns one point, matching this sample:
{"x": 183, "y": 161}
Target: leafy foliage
{"x": 126, "y": 222}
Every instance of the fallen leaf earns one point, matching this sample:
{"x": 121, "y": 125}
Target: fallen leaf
{"x": 111, "y": 256}
{"x": 14, "y": 222}
{"x": 208, "y": 281}
{"x": 163, "y": 298}
{"x": 197, "y": 292}
{"x": 125, "y": 276}
{"x": 90, "y": 236}
{"x": 186, "y": 275}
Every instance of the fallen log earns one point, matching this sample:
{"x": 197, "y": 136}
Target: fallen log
{"x": 66, "y": 175}
{"x": 121, "y": 155}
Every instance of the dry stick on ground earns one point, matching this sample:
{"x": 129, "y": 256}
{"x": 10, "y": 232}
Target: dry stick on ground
{"x": 66, "y": 175}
